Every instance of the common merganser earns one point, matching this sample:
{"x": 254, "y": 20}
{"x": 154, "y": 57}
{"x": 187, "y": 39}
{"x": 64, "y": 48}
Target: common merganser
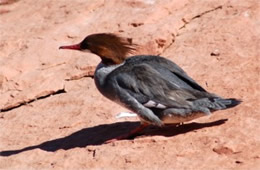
{"x": 155, "y": 88}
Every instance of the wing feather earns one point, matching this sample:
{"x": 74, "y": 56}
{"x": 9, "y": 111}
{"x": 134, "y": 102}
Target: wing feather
{"x": 146, "y": 84}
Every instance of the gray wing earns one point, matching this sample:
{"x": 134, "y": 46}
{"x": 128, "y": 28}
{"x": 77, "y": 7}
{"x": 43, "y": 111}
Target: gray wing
{"x": 151, "y": 89}
{"x": 171, "y": 71}
{"x": 180, "y": 73}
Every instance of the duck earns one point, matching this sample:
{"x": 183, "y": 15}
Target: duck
{"x": 155, "y": 88}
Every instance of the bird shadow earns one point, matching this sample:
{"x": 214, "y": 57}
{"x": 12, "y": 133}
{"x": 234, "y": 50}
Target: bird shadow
{"x": 98, "y": 135}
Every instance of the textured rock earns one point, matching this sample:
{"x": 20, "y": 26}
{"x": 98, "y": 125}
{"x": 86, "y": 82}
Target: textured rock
{"x": 52, "y": 116}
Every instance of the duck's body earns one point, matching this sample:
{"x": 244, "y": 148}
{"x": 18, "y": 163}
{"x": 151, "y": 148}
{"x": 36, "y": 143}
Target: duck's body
{"x": 155, "y": 88}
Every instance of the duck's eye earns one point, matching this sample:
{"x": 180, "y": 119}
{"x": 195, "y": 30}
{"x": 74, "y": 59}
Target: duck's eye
{"x": 84, "y": 45}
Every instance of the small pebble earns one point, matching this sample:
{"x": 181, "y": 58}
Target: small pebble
{"x": 215, "y": 53}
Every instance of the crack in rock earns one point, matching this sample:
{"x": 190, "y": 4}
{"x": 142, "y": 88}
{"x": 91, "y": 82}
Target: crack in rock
{"x": 80, "y": 76}
{"x": 88, "y": 71}
{"x": 185, "y": 21}
{"x": 168, "y": 46}
{"x": 28, "y": 101}
{"x": 208, "y": 11}
{"x": 51, "y": 66}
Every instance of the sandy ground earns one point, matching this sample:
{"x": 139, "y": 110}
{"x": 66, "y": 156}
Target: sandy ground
{"x": 53, "y": 117}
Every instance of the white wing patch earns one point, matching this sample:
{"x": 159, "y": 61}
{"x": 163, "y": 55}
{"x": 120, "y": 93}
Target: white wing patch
{"x": 151, "y": 103}
{"x": 125, "y": 114}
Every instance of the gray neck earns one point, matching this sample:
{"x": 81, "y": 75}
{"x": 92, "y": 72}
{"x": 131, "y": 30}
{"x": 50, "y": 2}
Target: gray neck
{"x": 101, "y": 73}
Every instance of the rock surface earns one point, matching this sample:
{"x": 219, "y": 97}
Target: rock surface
{"x": 53, "y": 117}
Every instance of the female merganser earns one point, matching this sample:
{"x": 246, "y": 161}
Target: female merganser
{"x": 155, "y": 88}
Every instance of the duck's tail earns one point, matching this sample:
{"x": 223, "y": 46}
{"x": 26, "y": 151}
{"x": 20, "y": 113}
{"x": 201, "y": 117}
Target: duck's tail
{"x": 216, "y": 103}
{"x": 221, "y": 104}
{"x": 229, "y": 103}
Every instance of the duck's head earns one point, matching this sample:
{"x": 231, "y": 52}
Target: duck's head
{"x": 111, "y": 48}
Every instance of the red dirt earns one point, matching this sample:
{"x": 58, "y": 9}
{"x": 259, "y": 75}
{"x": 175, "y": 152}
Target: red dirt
{"x": 53, "y": 117}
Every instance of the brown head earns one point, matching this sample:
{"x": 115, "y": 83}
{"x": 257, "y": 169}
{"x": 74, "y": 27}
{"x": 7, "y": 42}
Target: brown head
{"x": 111, "y": 48}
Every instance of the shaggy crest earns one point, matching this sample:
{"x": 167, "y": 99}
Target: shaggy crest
{"x": 110, "y": 47}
